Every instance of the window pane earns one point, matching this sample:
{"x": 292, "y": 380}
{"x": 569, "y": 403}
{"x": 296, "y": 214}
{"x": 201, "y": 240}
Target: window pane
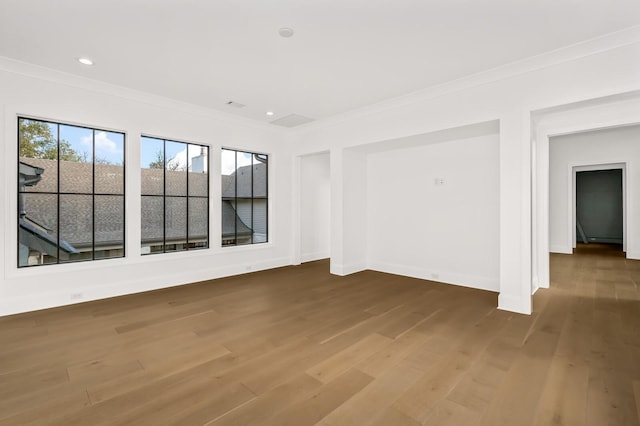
{"x": 76, "y": 159}
{"x": 109, "y": 167}
{"x": 175, "y": 223}
{"x": 244, "y": 212}
{"x": 244, "y": 219}
{"x": 243, "y": 174}
{"x": 76, "y": 224}
{"x": 109, "y": 226}
{"x": 185, "y": 175}
{"x": 198, "y": 171}
{"x": 38, "y": 233}
{"x": 260, "y": 176}
{"x": 176, "y": 168}
{"x": 152, "y": 165}
{"x": 228, "y": 223}
{"x": 243, "y": 236}
{"x": 72, "y": 164}
{"x": 259, "y": 221}
{"x": 152, "y": 223}
{"x": 198, "y": 222}
{"x": 109, "y": 179}
{"x": 228, "y": 174}
{"x": 38, "y": 145}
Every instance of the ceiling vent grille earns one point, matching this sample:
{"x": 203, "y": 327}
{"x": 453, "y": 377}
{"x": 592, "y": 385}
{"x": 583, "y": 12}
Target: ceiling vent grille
{"x": 235, "y": 104}
{"x": 292, "y": 120}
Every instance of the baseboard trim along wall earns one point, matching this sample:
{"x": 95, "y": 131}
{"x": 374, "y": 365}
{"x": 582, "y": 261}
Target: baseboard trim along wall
{"x": 52, "y": 299}
{"x": 473, "y": 281}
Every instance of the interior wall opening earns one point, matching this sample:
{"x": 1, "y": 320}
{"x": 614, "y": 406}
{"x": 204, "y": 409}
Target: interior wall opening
{"x": 599, "y": 208}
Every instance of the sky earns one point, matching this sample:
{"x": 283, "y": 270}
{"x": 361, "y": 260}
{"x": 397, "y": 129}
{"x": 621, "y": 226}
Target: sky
{"x": 178, "y": 154}
{"x": 229, "y": 160}
{"x": 109, "y": 146}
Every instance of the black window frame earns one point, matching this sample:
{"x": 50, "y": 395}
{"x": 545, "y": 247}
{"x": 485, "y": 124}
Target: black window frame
{"x": 60, "y": 193}
{"x": 187, "y": 244}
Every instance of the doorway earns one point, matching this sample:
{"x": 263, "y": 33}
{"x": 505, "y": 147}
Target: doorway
{"x": 599, "y": 210}
{"x": 599, "y": 206}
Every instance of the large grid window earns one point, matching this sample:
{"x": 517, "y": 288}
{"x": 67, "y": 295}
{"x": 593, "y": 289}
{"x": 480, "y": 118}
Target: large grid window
{"x": 175, "y": 196}
{"x": 70, "y": 193}
{"x": 244, "y": 198}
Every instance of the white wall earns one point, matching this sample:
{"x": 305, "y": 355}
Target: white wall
{"x": 607, "y": 66}
{"x": 445, "y": 232}
{"x": 608, "y": 146}
{"x": 602, "y": 67}
{"x": 315, "y": 206}
{"x": 45, "y": 94}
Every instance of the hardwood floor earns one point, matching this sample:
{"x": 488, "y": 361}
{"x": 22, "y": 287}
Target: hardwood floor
{"x": 297, "y": 346}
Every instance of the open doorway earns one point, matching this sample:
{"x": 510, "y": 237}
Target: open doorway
{"x": 561, "y": 152}
{"x": 599, "y": 207}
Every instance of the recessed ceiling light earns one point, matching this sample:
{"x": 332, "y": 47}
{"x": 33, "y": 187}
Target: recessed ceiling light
{"x": 270, "y": 113}
{"x": 285, "y": 32}
{"x": 85, "y": 61}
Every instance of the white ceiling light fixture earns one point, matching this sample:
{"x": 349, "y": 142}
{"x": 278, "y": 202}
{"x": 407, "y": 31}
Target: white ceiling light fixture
{"x": 85, "y": 61}
{"x": 270, "y": 113}
{"x": 285, "y": 32}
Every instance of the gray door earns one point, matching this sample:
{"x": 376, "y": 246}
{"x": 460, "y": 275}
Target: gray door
{"x": 599, "y": 205}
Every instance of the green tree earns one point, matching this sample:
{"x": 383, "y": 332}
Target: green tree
{"x": 37, "y": 141}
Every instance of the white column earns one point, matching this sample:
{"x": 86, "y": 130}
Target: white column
{"x": 337, "y": 232}
{"x": 515, "y": 212}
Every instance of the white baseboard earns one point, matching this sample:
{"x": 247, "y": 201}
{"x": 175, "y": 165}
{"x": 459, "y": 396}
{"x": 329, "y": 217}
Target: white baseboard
{"x": 514, "y": 304}
{"x": 310, "y": 257}
{"x": 633, "y": 255}
{"x": 348, "y": 269}
{"x": 138, "y": 284}
{"x": 561, "y": 249}
{"x": 447, "y": 277}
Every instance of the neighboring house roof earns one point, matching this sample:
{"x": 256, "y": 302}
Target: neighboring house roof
{"x": 243, "y": 178}
{"x": 36, "y": 238}
{"x": 230, "y": 221}
{"x": 76, "y": 222}
{"x": 29, "y": 175}
{"x": 76, "y": 219}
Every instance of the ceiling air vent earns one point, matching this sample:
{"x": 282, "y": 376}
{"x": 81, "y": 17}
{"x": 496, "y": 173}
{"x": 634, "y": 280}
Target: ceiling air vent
{"x": 235, "y": 104}
{"x": 292, "y": 120}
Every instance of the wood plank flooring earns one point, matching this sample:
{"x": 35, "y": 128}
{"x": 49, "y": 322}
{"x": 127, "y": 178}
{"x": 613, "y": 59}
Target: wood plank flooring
{"x": 297, "y": 346}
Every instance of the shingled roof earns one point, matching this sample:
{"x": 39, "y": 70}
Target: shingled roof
{"x": 77, "y": 227}
{"x": 243, "y": 177}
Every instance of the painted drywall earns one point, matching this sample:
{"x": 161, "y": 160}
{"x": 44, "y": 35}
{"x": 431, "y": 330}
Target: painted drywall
{"x": 433, "y": 212}
{"x": 44, "y": 94}
{"x": 315, "y": 206}
{"x": 607, "y": 66}
{"x": 598, "y": 147}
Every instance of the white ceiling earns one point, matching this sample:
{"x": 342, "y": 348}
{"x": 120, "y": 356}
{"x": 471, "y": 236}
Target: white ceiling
{"x": 345, "y": 54}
